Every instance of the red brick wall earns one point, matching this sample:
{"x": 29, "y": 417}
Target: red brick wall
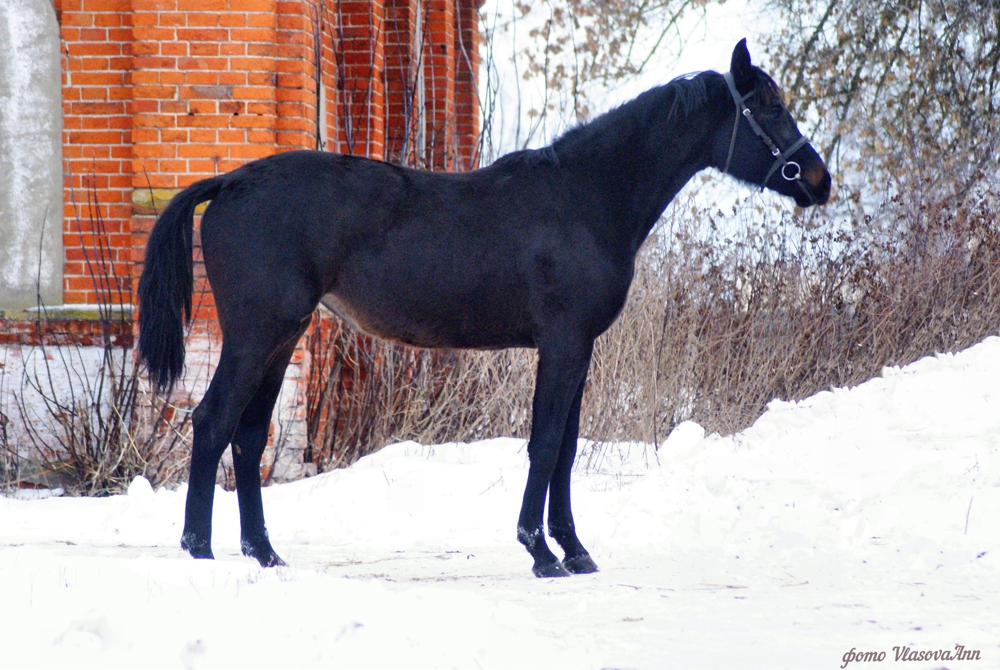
{"x": 206, "y": 81}
{"x": 203, "y": 88}
{"x": 158, "y": 94}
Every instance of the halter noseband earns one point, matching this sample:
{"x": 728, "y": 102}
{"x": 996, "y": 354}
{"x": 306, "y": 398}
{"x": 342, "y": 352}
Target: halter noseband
{"x": 780, "y": 157}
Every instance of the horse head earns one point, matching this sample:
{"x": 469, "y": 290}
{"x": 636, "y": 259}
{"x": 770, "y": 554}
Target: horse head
{"x": 762, "y": 145}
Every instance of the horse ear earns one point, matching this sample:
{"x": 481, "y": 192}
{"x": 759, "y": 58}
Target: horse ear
{"x": 740, "y": 67}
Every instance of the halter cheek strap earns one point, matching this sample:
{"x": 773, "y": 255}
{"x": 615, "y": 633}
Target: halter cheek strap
{"x": 790, "y": 170}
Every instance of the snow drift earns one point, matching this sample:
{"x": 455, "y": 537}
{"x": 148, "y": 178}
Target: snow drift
{"x": 860, "y": 519}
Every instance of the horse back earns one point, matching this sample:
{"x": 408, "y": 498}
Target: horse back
{"x": 484, "y": 259}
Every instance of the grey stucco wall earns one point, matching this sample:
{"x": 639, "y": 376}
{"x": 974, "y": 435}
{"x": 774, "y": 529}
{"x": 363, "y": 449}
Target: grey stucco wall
{"x": 31, "y": 221}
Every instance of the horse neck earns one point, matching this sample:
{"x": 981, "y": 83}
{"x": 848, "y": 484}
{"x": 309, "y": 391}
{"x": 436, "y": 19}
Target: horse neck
{"x": 644, "y": 156}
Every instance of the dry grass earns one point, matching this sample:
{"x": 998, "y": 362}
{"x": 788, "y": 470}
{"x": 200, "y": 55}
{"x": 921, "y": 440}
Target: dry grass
{"x": 364, "y": 394}
{"x": 715, "y": 327}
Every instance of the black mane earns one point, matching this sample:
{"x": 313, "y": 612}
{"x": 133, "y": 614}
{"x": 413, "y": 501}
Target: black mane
{"x": 766, "y": 90}
{"x": 685, "y": 94}
{"x": 529, "y": 157}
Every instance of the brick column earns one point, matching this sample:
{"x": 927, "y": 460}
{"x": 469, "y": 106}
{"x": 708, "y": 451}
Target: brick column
{"x": 401, "y": 65}
{"x": 439, "y": 81}
{"x": 359, "y": 52}
{"x": 296, "y": 76}
{"x": 97, "y": 126}
{"x": 466, "y": 78}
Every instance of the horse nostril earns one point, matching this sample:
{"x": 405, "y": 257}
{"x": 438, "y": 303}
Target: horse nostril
{"x": 814, "y": 176}
{"x": 819, "y": 181}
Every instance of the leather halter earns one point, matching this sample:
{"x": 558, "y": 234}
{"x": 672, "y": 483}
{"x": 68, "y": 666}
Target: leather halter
{"x": 790, "y": 170}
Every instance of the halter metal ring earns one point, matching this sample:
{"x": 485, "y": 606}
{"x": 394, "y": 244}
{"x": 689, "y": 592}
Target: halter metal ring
{"x": 794, "y": 177}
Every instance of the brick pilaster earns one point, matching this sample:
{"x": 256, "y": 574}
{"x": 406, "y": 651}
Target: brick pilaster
{"x": 466, "y": 77}
{"x": 439, "y": 82}
{"x": 403, "y": 67}
{"x": 97, "y": 125}
{"x": 295, "y": 82}
{"x": 359, "y": 39}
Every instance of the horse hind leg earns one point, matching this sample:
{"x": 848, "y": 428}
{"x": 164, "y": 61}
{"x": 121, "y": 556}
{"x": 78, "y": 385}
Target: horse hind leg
{"x": 561, "y": 525}
{"x": 213, "y": 421}
{"x": 235, "y": 382}
{"x": 249, "y": 442}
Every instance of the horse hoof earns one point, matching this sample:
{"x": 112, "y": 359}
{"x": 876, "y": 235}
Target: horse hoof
{"x": 197, "y": 547}
{"x": 265, "y": 555}
{"x": 580, "y": 565}
{"x": 271, "y": 561}
{"x": 550, "y": 570}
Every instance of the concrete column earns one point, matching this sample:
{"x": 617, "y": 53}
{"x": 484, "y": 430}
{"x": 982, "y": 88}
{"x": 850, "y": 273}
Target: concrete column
{"x": 31, "y": 207}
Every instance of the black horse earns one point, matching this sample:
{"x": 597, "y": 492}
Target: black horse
{"x": 536, "y": 250}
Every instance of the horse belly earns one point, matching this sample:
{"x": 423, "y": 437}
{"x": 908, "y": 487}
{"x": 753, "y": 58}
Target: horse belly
{"x": 425, "y": 324}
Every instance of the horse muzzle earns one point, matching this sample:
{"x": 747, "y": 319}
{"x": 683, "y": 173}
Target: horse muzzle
{"x": 817, "y": 187}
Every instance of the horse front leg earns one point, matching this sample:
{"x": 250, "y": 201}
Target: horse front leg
{"x": 561, "y": 525}
{"x": 562, "y": 366}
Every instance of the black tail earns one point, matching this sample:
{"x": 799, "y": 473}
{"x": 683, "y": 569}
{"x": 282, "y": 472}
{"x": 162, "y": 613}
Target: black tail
{"x": 166, "y": 285}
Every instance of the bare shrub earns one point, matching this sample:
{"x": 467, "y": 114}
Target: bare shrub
{"x": 366, "y": 393}
{"x": 716, "y": 328}
{"x": 87, "y": 421}
{"x": 91, "y": 425}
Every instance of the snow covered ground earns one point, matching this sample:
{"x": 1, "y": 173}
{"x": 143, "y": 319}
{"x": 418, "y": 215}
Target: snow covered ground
{"x": 865, "y": 519}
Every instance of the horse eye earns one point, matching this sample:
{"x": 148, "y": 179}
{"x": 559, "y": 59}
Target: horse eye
{"x": 775, "y": 111}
